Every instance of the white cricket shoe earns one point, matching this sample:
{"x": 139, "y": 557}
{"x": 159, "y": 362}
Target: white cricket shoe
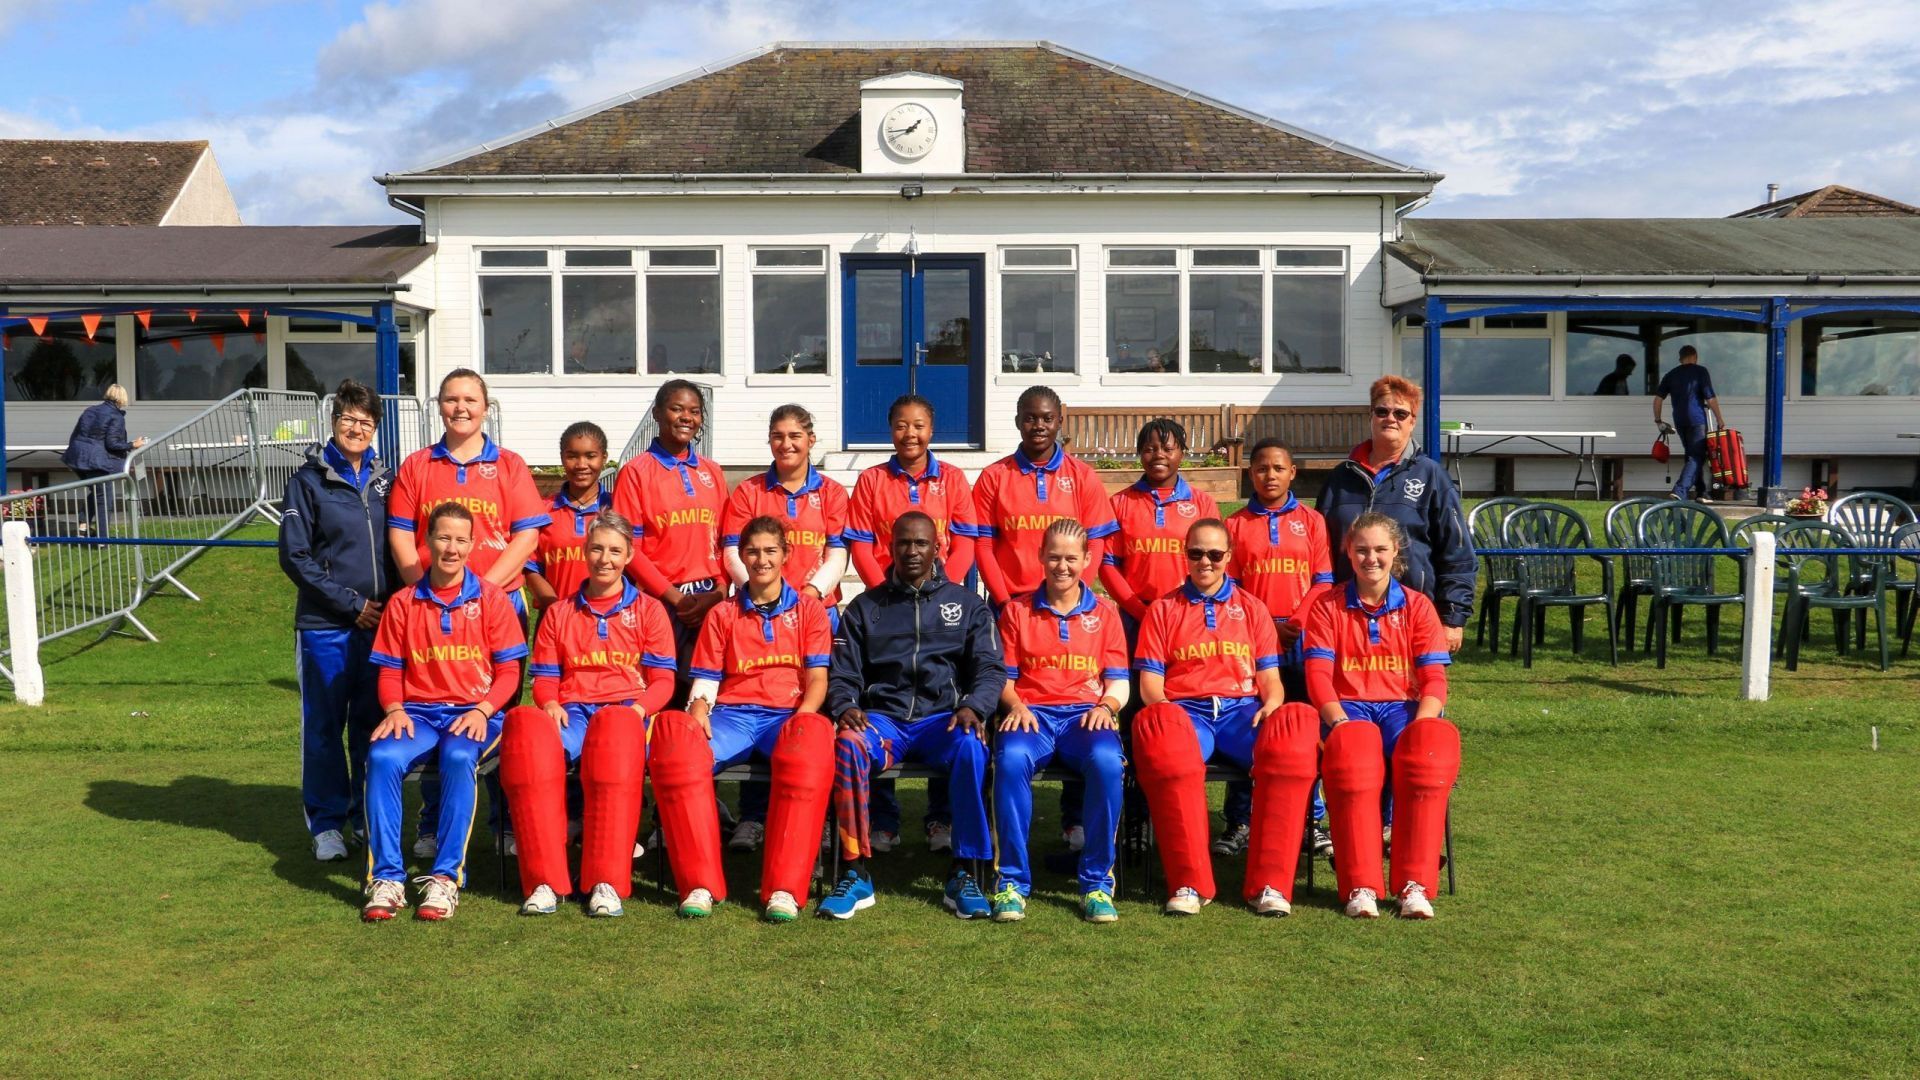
{"x": 1414, "y": 903}
{"x": 1076, "y": 838}
{"x": 1184, "y": 901}
{"x": 939, "y": 837}
{"x": 697, "y": 905}
{"x": 330, "y": 846}
{"x": 1270, "y": 902}
{"x": 604, "y": 903}
{"x": 1363, "y": 904}
{"x": 782, "y": 907}
{"x": 426, "y": 847}
{"x": 884, "y": 841}
{"x": 542, "y": 902}
{"x": 639, "y": 849}
{"x": 747, "y": 836}
{"x": 439, "y": 896}
{"x": 385, "y": 899}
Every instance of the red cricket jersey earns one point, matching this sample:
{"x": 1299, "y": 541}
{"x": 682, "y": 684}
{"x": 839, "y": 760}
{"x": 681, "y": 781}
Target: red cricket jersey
{"x": 1056, "y": 659}
{"x": 761, "y": 659}
{"x": 495, "y": 486}
{"x": 1280, "y": 555}
{"x": 561, "y": 556}
{"x": 1017, "y": 500}
{"x": 590, "y": 652}
{"x": 445, "y": 644}
{"x": 675, "y": 504}
{"x": 886, "y": 491}
{"x": 815, "y": 516}
{"x": 1149, "y": 550}
{"x": 1396, "y": 652}
{"x": 1208, "y": 646}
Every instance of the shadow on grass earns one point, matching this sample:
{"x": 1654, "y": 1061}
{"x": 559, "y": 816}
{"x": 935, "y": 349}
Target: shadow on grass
{"x": 219, "y": 805}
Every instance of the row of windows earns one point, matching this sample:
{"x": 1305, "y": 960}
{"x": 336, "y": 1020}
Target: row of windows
{"x": 1216, "y": 310}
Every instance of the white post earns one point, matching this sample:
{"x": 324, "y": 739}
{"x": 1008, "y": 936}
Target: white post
{"x": 1756, "y": 640}
{"x": 23, "y": 628}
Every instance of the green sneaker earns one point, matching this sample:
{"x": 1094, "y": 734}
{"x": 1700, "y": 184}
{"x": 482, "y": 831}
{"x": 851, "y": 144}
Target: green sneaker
{"x": 1009, "y": 905}
{"x": 698, "y": 905}
{"x": 1097, "y": 907}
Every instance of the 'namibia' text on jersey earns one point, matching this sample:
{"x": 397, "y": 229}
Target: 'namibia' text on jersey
{"x": 675, "y": 505}
{"x": 446, "y": 642}
{"x": 494, "y": 486}
{"x": 590, "y": 652}
{"x": 1017, "y": 499}
{"x": 815, "y": 516}
{"x": 1057, "y": 659}
{"x": 561, "y": 556}
{"x": 1151, "y": 547}
{"x": 885, "y": 491}
{"x": 759, "y": 658}
{"x": 1396, "y": 652}
{"x": 1281, "y": 555}
{"x": 1208, "y": 646}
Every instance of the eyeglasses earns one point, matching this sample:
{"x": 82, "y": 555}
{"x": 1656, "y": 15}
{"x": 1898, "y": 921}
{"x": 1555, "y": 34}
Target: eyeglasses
{"x": 356, "y": 423}
{"x": 1197, "y": 554}
{"x": 1381, "y": 412}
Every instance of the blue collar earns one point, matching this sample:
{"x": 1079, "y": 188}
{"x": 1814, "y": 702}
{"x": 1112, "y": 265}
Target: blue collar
{"x": 1080, "y": 607}
{"x": 601, "y": 500}
{"x": 660, "y": 455}
{"x": 812, "y": 482}
{"x": 932, "y": 470}
{"x": 788, "y": 598}
{"x": 1195, "y": 596}
{"x": 337, "y": 461}
{"x": 1273, "y": 515}
{"x": 1396, "y": 598}
{"x": 1027, "y": 466}
{"x": 628, "y": 597}
{"x": 469, "y": 592}
{"x": 1182, "y": 492}
{"x": 488, "y": 452}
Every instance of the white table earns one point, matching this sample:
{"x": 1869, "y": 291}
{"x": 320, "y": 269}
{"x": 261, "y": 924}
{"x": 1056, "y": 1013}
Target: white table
{"x": 1586, "y": 469}
{"x": 17, "y": 451}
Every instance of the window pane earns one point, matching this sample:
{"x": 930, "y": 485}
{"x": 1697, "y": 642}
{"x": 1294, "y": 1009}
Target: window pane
{"x": 1734, "y": 353}
{"x": 61, "y": 365}
{"x": 318, "y": 366}
{"x": 1865, "y": 357}
{"x": 1299, "y": 257}
{"x": 516, "y": 325}
{"x": 1413, "y": 360}
{"x": 790, "y": 324}
{"x": 683, "y": 324}
{"x": 513, "y": 258}
{"x": 1036, "y": 257}
{"x": 778, "y": 257}
{"x": 1309, "y": 322}
{"x": 1140, "y": 257}
{"x": 1507, "y": 367}
{"x": 1037, "y": 322}
{"x": 1608, "y": 358}
{"x": 879, "y": 319}
{"x": 596, "y": 324}
{"x": 203, "y": 359}
{"x": 1226, "y": 257}
{"x": 1143, "y": 322}
{"x": 1223, "y": 322}
{"x": 599, "y": 258}
{"x": 298, "y": 324}
{"x": 947, "y": 307}
{"x": 706, "y": 257}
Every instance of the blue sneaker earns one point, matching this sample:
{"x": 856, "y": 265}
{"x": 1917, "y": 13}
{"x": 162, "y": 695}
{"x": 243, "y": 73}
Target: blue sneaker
{"x": 965, "y": 899}
{"x": 854, "y": 893}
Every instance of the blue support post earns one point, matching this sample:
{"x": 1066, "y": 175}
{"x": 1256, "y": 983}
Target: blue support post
{"x": 4, "y": 472}
{"x": 1776, "y": 436}
{"x": 1430, "y": 418}
{"x": 386, "y": 347}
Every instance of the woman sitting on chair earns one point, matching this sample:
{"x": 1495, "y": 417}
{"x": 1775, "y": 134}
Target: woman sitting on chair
{"x": 591, "y": 701}
{"x": 1376, "y": 657}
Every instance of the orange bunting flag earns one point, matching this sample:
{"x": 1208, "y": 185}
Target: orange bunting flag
{"x": 219, "y": 343}
{"x": 38, "y": 324}
{"x": 178, "y": 345}
{"x": 259, "y": 337}
{"x": 146, "y": 319}
{"x": 91, "y": 323}
{"x": 193, "y": 314}
{"x": 246, "y": 316}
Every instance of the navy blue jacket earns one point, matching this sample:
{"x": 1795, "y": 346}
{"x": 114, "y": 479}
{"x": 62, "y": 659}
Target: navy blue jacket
{"x": 333, "y": 541}
{"x": 1416, "y": 492}
{"x": 909, "y": 653}
{"x": 99, "y": 441}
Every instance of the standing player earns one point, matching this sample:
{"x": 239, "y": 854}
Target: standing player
{"x": 1377, "y": 671}
{"x": 1066, "y": 658}
{"x": 814, "y": 510}
{"x": 449, "y": 650}
{"x": 675, "y": 498}
{"x": 591, "y": 701}
{"x": 493, "y": 483}
{"x": 1209, "y": 675}
{"x": 1033, "y": 487}
{"x": 1280, "y": 554}
{"x": 559, "y": 563}
{"x": 760, "y": 676}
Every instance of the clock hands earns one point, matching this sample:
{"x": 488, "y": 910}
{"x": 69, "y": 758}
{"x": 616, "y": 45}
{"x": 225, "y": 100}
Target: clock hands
{"x": 906, "y": 130}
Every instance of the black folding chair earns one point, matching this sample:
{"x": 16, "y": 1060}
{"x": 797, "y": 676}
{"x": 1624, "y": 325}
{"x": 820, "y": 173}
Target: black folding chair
{"x": 1550, "y": 580}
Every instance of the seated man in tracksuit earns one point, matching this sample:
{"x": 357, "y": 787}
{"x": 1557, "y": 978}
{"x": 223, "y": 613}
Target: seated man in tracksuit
{"x": 916, "y": 672}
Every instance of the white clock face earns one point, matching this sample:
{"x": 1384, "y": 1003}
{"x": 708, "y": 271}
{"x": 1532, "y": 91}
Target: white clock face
{"x": 908, "y": 130}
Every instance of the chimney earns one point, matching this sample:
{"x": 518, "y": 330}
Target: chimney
{"x": 1773, "y": 192}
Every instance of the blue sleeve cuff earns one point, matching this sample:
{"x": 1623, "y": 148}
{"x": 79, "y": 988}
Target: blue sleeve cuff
{"x": 837, "y": 540}
{"x": 403, "y": 524}
{"x": 1266, "y": 663}
{"x": 971, "y": 532}
{"x": 1432, "y": 658}
{"x": 703, "y": 673}
{"x": 862, "y": 536}
{"x": 1323, "y": 579}
{"x": 1113, "y": 674}
{"x": 656, "y": 660}
{"x": 1101, "y": 531}
{"x": 384, "y": 660}
{"x": 819, "y": 660}
{"x": 503, "y": 655}
{"x": 1013, "y": 673}
{"x": 730, "y": 540}
{"x": 1109, "y": 559}
{"x": 533, "y": 567}
{"x": 523, "y": 524}
{"x": 544, "y": 671}
{"x": 1154, "y": 666}
{"x": 1318, "y": 654}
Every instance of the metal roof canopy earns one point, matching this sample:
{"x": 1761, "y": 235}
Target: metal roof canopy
{"x": 207, "y": 259}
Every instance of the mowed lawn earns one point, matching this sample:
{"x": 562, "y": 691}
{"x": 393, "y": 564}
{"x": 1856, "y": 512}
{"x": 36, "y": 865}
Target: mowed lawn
{"x": 1655, "y": 879}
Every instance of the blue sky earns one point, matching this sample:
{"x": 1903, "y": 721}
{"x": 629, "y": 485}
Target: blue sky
{"x": 1591, "y": 108}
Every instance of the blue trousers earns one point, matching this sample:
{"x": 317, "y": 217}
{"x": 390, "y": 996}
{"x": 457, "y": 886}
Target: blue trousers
{"x": 1293, "y": 677}
{"x": 1392, "y": 718}
{"x": 1696, "y": 472}
{"x": 339, "y": 695}
{"x": 959, "y": 753}
{"x": 740, "y": 732}
{"x": 388, "y": 763}
{"x": 1098, "y": 758}
{"x": 1224, "y": 726}
{"x": 498, "y": 817}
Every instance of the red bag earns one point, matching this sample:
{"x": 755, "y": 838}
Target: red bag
{"x": 1660, "y": 451}
{"x": 1727, "y": 457}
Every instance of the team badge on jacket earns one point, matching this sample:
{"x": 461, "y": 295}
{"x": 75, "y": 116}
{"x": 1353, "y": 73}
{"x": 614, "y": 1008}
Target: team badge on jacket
{"x": 472, "y": 609}
{"x": 1090, "y": 623}
{"x": 1414, "y": 488}
{"x": 1299, "y": 527}
{"x": 488, "y": 470}
{"x": 1186, "y": 509}
{"x": 950, "y": 614}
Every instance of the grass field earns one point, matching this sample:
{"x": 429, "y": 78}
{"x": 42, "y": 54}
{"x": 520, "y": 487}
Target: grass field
{"x": 1655, "y": 879}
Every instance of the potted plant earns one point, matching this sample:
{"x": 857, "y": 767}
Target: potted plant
{"x": 1810, "y": 503}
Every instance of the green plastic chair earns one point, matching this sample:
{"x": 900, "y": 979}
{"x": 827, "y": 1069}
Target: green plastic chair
{"x": 1907, "y": 539}
{"x": 1818, "y": 577}
{"x": 1550, "y": 580}
{"x": 1683, "y": 581}
{"x": 1484, "y": 524}
{"x": 1623, "y": 519}
{"x": 1872, "y": 518}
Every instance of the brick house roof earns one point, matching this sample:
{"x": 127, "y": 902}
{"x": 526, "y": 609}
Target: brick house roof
{"x": 1833, "y": 200}
{"x": 794, "y": 108}
{"x": 92, "y": 182}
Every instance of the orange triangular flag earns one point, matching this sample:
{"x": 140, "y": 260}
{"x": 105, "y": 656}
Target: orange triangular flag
{"x": 246, "y": 316}
{"x": 38, "y": 324}
{"x": 91, "y": 323}
{"x": 146, "y": 319}
{"x": 193, "y": 314}
{"x": 219, "y": 343}
{"x": 178, "y": 345}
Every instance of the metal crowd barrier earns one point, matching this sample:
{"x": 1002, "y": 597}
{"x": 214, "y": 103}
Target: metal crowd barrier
{"x": 415, "y": 424}
{"x": 647, "y": 428}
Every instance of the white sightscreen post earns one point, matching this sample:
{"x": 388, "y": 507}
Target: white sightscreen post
{"x": 23, "y": 630}
{"x": 1756, "y": 640}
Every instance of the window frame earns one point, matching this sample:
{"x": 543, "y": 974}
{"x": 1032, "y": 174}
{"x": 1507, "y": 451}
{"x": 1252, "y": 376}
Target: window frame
{"x": 640, "y": 271}
{"x": 1069, "y": 270}
{"x": 1267, "y": 266}
{"x": 822, "y": 271}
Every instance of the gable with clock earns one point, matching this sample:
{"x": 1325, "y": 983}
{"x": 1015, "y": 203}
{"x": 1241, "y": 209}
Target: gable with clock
{"x": 912, "y": 124}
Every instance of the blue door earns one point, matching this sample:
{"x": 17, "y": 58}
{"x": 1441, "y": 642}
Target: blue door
{"x": 912, "y": 324}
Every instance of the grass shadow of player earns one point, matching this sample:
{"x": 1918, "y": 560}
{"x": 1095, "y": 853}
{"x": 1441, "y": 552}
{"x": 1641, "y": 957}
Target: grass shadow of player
{"x": 239, "y": 810}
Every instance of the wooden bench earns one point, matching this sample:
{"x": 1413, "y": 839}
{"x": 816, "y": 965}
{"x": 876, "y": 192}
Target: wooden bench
{"x": 1320, "y": 436}
{"x": 1092, "y": 432}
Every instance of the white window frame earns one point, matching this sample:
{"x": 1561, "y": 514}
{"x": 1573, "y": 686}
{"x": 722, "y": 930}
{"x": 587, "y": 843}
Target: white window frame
{"x": 1554, "y": 334}
{"x": 824, "y": 272}
{"x": 1071, "y": 270}
{"x": 1266, "y": 267}
{"x": 640, "y": 271}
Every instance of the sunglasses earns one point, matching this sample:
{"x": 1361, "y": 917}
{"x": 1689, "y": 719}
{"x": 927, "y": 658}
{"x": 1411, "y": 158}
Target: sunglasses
{"x": 1197, "y": 554}
{"x": 355, "y": 423}
{"x": 1381, "y": 412}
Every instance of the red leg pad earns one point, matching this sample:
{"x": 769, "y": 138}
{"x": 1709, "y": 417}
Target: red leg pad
{"x": 613, "y": 767}
{"x": 1286, "y": 757}
{"x": 533, "y": 773}
{"x": 682, "y": 763}
{"x": 1426, "y": 761}
{"x": 1167, "y": 761}
{"x": 1352, "y": 771}
{"x": 797, "y": 805}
